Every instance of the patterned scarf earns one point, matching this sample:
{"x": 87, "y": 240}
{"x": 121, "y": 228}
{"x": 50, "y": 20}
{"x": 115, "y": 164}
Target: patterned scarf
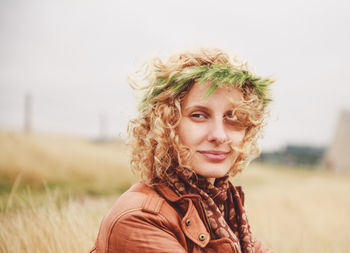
{"x": 222, "y": 203}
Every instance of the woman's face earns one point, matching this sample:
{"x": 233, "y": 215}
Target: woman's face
{"x": 205, "y": 128}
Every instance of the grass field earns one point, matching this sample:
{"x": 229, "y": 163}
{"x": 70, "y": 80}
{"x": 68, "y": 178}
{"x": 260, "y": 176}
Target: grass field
{"x": 54, "y": 191}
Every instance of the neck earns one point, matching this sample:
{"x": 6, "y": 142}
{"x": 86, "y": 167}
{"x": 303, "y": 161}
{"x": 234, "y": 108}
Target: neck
{"x": 211, "y": 180}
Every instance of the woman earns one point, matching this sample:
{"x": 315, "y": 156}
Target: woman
{"x": 198, "y": 122}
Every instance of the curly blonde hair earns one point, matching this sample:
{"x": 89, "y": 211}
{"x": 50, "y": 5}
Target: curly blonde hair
{"x": 152, "y": 135}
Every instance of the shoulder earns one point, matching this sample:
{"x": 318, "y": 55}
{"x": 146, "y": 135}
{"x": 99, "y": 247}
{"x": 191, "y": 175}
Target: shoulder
{"x": 138, "y": 197}
{"x": 139, "y": 214}
{"x": 141, "y": 199}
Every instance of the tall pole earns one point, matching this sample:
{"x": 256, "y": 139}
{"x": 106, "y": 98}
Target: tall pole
{"x": 103, "y": 126}
{"x": 28, "y": 113}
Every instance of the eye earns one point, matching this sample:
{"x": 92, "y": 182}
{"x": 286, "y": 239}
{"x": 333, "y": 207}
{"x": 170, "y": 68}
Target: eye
{"x": 230, "y": 115}
{"x": 236, "y": 124}
{"x": 198, "y": 115}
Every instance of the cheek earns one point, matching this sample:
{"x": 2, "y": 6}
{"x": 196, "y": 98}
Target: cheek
{"x": 189, "y": 133}
{"x": 237, "y": 137}
{"x": 183, "y": 137}
{"x": 182, "y": 131}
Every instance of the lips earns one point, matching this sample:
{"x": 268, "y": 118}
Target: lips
{"x": 214, "y": 155}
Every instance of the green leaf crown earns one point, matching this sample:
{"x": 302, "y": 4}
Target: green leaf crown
{"x": 220, "y": 75}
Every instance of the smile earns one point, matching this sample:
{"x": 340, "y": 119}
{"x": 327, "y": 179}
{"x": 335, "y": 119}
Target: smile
{"x": 215, "y": 156}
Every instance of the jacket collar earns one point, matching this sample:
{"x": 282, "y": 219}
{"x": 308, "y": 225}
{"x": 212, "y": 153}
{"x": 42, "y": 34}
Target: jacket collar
{"x": 171, "y": 196}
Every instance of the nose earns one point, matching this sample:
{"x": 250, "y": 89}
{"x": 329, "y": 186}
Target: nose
{"x": 217, "y": 133}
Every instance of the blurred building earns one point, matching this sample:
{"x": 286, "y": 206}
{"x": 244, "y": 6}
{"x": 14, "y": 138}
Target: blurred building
{"x": 337, "y": 156}
{"x": 294, "y": 155}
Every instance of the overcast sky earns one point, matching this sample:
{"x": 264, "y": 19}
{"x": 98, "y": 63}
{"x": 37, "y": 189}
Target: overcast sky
{"x": 73, "y": 57}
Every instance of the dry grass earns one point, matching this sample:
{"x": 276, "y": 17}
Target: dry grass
{"x": 298, "y": 210}
{"x": 74, "y": 163}
{"x": 71, "y": 227}
{"x": 290, "y": 210}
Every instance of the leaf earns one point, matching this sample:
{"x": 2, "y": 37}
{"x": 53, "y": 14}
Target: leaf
{"x": 210, "y": 90}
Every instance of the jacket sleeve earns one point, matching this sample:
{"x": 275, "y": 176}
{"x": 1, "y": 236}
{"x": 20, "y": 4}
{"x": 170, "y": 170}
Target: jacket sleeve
{"x": 140, "y": 232}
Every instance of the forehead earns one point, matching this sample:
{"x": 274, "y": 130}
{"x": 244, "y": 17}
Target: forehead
{"x": 229, "y": 96}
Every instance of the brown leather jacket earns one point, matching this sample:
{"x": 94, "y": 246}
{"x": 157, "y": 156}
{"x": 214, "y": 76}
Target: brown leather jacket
{"x": 143, "y": 221}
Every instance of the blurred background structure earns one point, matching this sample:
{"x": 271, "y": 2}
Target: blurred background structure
{"x": 338, "y": 153}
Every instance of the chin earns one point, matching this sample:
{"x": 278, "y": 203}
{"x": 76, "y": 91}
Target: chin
{"x": 211, "y": 171}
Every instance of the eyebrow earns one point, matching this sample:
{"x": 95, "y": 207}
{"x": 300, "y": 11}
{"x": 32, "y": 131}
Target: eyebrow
{"x": 198, "y": 107}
